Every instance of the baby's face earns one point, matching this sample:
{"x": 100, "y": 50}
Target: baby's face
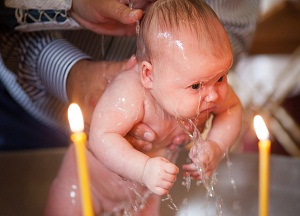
{"x": 189, "y": 80}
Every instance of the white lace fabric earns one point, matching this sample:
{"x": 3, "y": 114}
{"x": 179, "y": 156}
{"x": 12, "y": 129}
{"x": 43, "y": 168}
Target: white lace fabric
{"x": 28, "y": 22}
{"x": 40, "y": 4}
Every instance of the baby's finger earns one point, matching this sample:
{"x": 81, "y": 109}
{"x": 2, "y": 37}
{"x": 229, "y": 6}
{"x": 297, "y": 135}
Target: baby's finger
{"x": 169, "y": 178}
{"x": 160, "y": 191}
{"x": 171, "y": 168}
{"x": 166, "y": 184}
{"x": 189, "y": 167}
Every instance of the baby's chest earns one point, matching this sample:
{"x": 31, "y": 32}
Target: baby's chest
{"x": 165, "y": 127}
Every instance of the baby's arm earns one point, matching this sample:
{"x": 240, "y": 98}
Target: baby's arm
{"x": 225, "y": 130}
{"x": 119, "y": 109}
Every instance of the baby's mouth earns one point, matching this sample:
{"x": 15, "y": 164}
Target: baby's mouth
{"x": 208, "y": 110}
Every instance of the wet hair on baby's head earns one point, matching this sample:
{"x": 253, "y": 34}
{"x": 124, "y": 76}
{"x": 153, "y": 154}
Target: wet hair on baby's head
{"x": 165, "y": 17}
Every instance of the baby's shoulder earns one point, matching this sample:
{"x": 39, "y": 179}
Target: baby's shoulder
{"x": 128, "y": 78}
{"x": 126, "y": 85}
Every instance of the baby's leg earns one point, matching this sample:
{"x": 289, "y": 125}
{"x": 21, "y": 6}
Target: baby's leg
{"x": 109, "y": 191}
{"x": 63, "y": 197}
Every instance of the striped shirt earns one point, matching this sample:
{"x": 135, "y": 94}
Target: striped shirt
{"x": 34, "y": 66}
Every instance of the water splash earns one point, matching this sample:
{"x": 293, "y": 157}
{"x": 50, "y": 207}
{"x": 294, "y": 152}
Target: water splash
{"x": 187, "y": 181}
{"x": 137, "y": 27}
{"x": 236, "y": 207}
{"x": 140, "y": 199}
{"x": 219, "y": 204}
{"x": 199, "y": 100}
{"x": 130, "y": 4}
{"x": 190, "y": 128}
{"x": 171, "y": 204}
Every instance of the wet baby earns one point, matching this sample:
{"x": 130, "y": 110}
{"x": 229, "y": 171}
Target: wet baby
{"x": 183, "y": 55}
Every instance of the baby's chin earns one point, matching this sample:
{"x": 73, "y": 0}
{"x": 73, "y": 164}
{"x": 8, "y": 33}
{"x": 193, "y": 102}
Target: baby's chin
{"x": 195, "y": 117}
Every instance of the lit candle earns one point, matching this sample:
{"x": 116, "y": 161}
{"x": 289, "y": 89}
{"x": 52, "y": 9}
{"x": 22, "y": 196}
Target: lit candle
{"x": 79, "y": 139}
{"x": 264, "y": 163}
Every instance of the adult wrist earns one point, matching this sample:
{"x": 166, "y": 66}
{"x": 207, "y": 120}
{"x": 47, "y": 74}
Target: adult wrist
{"x": 54, "y": 65}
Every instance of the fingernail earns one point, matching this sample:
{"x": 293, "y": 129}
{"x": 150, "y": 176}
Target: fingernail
{"x": 148, "y": 136}
{"x": 133, "y": 13}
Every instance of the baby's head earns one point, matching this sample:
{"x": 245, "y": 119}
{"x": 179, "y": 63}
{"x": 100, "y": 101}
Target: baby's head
{"x": 173, "y": 19}
{"x": 181, "y": 43}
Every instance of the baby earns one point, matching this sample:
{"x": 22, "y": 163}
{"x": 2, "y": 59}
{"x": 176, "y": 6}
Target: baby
{"x": 183, "y": 55}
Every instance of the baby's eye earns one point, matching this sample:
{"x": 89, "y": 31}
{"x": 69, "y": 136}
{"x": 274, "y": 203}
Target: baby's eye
{"x": 196, "y": 86}
{"x": 220, "y": 79}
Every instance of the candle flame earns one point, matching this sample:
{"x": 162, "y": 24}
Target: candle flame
{"x": 75, "y": 118}
{"x": 260, "y": 127}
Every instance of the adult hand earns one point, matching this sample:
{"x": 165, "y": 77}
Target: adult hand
{"x": 87, "y": 81}
{"x": 111, "y": 17}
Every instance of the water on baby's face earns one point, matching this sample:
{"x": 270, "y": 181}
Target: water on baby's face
{"x": 201, "y": 147}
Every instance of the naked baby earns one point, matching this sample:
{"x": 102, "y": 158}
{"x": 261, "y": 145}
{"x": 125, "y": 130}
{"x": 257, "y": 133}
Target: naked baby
{"x": 183, "y": 55}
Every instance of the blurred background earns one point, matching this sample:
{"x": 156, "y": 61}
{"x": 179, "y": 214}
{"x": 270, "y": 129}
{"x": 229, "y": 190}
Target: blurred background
{"x": 267, "y": 79}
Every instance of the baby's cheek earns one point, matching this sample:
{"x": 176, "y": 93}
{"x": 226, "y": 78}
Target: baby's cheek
{"x": 223, "y": 93}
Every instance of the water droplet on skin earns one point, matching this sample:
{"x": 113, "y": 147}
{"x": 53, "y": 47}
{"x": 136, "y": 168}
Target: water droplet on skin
{"x": 73, "y": 194}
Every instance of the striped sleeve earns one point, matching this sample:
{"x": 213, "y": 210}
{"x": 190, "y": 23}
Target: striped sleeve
{"x": 239, "y": 18}
{"x": 34, "y": 70}
{"x": 45, "y": 62}
{"x": 54, "y": 64}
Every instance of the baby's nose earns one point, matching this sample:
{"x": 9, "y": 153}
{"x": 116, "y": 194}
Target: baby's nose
{"x": 211, "y": 95}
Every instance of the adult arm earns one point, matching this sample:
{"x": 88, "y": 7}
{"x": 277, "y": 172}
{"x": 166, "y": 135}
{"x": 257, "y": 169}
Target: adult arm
{"x": 49, "y": 65}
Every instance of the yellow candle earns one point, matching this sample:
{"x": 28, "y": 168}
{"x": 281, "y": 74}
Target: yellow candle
{"x": 264, "y": 164}
{"x": 79, "y": 139}
{"x": 264, "y": 159}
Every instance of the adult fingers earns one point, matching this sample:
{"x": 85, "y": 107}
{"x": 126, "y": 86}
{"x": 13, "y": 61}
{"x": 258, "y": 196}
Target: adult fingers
{"x": 122, "y": 13}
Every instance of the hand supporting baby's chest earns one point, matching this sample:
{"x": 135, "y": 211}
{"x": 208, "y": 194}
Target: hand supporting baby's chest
{"x": 165, "y": 133}
{"x": 164, "y": 125}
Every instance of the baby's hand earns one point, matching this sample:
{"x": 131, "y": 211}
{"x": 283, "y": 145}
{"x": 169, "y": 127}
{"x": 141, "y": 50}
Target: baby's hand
{"x": 205, "y": 158}
{"x": 159, "y": 175}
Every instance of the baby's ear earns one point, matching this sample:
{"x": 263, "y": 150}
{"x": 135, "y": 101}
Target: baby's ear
{"x": 147, "y": 74}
